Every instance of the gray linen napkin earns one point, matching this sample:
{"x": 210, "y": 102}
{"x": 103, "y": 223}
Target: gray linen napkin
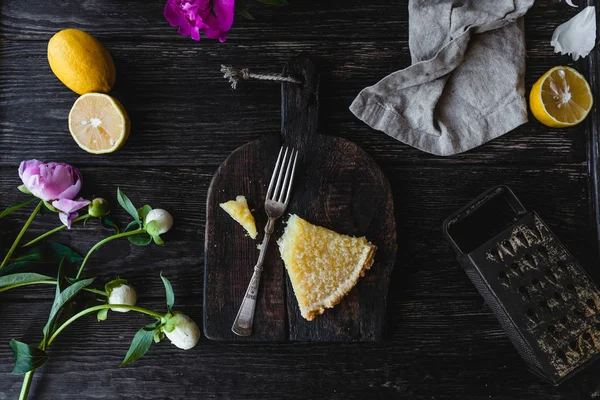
{"x": 465, "y": 85}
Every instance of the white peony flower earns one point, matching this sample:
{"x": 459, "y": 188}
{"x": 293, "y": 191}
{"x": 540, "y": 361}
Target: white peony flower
{"x": 122, "y": 294}
{"x": 185, "y": 333}
{"x": 577, "y": 36}
{"x": 163, "y": 217}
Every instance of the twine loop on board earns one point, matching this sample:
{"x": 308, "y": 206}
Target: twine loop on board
{"x": 234, "y": 75}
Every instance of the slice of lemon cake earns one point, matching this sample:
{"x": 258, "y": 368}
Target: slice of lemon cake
{"x": 239, "y": 211}
{"x": 323, "y": 265}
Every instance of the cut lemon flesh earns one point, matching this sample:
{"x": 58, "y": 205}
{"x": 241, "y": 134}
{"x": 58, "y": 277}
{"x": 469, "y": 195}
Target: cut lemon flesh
{"x": 98, "y": 123}
{"x": 561, "y": 97}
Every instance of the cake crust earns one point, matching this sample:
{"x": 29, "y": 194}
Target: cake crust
{"x": 323, "y": 265}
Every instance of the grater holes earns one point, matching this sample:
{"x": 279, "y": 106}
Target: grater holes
{"x": 551, "y": 276}
{"x": 532, "y": 315}
{"x": 543, "y": 251}
{"x": 562, "y": 266}
{"x": 590, "y": 302}
{"x": 530, "y": 261}
{"x": 574, "y": 346}
{"x": 524, "y": 292}
{"x": 561, "y": 354}
{"x": 522, "y": 239}
{"x": 508, "y": 247}
{"x": 516, "y": 268}
{"x": 557, "y": 296}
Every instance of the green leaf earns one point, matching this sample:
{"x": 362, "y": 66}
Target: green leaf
{"x": 131, "y": 225}
{"x": 158, "y": 240}
{"x": 274, "y": 2}
{"x": 61, "y": 298}
{"x": 168, "y": 292}
{"x": 24, "y": 277}
{"x": 113, "y": 284}
{"x": 50, "y": 207}
{"x": 45, "y": 253}
{"x": 27, "y": 358}
{"x": 140, "y": 344}
{"x": 60, "y": 251}
{"x": 23, "y": 189}
{"x": 143, "y": 239}
{"x": 243, "y": 10}
{"x": 153, "y": 228}
{"x": 127, "y": 205}
{"x": 158, "y": 335}
{"x": 142, "y": 212}
{"x": 109, "y": 224}
{"x": 14, "y": 207}
{"x": 103, "y": 314}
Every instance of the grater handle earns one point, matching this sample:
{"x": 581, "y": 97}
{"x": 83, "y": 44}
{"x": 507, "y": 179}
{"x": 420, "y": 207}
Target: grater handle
{"x": 482, "y": 199}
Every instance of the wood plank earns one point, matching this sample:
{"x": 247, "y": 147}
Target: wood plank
{"x": 230, "y": 254}
{"x": 172, "y": 109}
{"x": 451, "y": 349}
{"x": 335, "y": 19}
{"x": 423, "y": 198}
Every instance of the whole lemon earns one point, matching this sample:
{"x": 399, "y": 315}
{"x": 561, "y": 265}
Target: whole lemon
{"x": 81, "y": 62}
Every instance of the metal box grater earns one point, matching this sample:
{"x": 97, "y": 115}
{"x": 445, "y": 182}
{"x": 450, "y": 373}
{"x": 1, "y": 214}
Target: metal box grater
{"x": 544, "y": 300}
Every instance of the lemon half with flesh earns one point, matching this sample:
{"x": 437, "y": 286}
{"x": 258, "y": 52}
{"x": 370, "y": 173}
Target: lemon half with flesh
{"x": 98, "y": 123}
{"x": 561, "y": 98}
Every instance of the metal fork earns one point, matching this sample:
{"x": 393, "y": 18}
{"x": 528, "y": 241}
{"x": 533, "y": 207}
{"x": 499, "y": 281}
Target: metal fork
{"x": 278, "y": 196}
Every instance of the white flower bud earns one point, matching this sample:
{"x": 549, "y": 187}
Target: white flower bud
{"x": 163, "y": 217}
{"x": 122, "y": 294}
{"x": 185, "y": 333}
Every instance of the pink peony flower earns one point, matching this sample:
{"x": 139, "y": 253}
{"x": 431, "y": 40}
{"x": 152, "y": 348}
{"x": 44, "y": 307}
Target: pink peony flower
{"x": 213, "y": 17}
{"x": 55, "y": 182}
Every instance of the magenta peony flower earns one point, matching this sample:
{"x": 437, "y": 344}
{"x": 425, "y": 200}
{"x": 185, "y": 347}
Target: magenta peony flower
{"x": 213, "y": 17}
{"x": 55, "y": 182}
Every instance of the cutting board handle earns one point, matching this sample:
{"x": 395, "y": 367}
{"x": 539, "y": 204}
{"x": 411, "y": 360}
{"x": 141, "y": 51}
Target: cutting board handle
{"x": 300, "y": 104}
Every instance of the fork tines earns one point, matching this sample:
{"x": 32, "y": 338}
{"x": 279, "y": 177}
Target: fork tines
{"x": 285, "y": 167}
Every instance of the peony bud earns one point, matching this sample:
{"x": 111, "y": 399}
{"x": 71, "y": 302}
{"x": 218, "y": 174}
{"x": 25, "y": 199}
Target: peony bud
{"x": 98, "y": 207}
{"x": 164, "y": 219}
{"x": 122, "y": 294}
{"x": 182, "y": 331}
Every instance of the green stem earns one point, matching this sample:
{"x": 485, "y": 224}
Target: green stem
{"x": 48, "y": 282}
{"x": 57, "y": 229}
{"x": 98, "y": 308}
{"x": 18, "y": 239}
{"x": 26, "y": 385}
{"x": 104, "y": 241}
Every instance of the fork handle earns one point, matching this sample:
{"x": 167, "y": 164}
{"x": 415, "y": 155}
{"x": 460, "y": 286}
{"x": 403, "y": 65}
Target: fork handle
{"x": 242, "y": 325}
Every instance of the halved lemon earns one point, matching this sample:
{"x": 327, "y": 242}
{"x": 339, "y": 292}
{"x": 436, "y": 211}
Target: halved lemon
{"x": 98, "y": 123}
{"x": 561, "y": 97}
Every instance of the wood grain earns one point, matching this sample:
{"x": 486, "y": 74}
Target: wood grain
{"x": 177, "y": 98}
{"x": 423, "y": 199}
{"x": 304, "y": 20}
{"x": 443, "y": 341}
{"x": 434, "y": 347}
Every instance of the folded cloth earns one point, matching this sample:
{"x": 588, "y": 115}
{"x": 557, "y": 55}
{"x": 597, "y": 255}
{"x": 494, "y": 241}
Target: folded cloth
{"x": 466, "y": 82}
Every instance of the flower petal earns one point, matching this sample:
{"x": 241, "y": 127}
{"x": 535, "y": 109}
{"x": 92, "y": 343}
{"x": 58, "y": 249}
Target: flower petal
{"x": 224, "y": 11}
{"x": 69, "y": 206}
{"x": 66, "y": 219}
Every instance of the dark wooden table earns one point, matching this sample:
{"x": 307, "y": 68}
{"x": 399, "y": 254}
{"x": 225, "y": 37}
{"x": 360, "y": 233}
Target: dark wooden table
{"x": 442, "y": 341}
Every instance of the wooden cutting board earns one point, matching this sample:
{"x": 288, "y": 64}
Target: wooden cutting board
{"x": 337, "y": 186}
